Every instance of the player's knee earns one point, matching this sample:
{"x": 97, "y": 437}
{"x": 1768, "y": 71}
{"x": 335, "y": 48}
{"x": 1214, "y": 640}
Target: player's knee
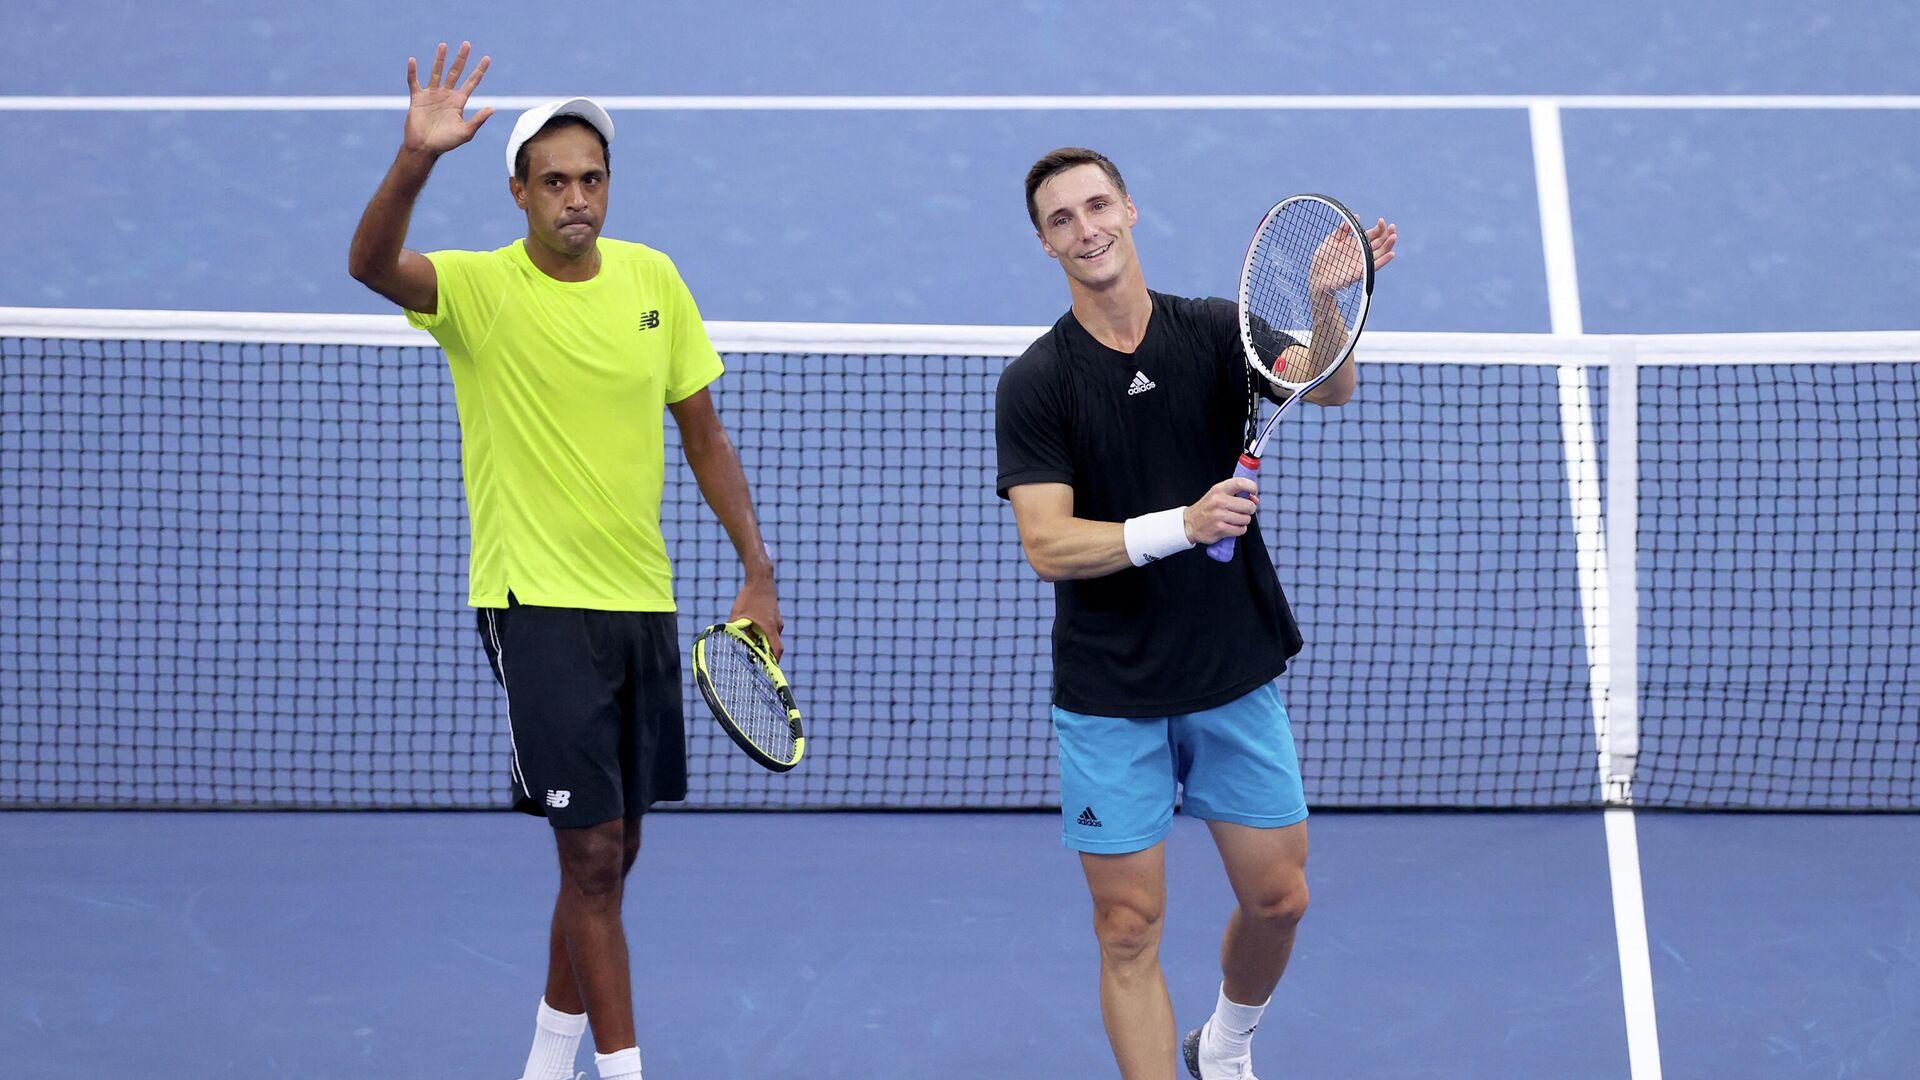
{"x": 597, "y": 879}
{"x": 1127, "y": 932}
{"x": 592, "y": 863}
{"x": 1283, "y": 904}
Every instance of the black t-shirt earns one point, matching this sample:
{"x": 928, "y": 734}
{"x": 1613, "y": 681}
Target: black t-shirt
{"x": 1133, "y": 433}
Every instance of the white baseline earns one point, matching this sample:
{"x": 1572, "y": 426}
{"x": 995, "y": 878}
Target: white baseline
{"x": 978, "y": 102}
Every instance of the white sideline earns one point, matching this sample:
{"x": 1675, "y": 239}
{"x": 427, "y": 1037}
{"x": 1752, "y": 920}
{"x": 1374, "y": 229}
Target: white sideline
{"x": 1630, "y": 930}
{"x": 1597, "y": 606}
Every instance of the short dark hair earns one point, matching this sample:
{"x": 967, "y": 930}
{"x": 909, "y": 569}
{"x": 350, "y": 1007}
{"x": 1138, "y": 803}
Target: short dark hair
{"x": 558, "y": 122}
{"x": 1059, "y": 161}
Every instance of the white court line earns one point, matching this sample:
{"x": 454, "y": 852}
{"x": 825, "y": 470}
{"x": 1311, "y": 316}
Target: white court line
{"x": 1556, "y": 218}
{"x": 979, "y": 102}
{"x": 1597, "y": 610}
{"x": 1630, "y": 930}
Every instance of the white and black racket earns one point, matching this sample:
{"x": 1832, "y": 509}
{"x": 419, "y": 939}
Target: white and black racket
{"x": 1304, "y": 290}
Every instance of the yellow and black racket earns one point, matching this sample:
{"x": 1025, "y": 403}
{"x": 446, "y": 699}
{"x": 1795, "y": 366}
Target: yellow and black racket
{"x": 748, "y": 694}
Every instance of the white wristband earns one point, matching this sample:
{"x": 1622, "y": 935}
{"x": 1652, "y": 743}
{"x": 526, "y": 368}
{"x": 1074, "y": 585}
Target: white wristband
{"x": 1152, "y": 537}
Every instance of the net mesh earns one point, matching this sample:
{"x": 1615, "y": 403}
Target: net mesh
{"x": 233, "y": 575}
{"x": 1780, "y": 519}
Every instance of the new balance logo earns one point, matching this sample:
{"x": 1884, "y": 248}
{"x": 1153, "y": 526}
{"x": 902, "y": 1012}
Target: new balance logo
{"x": 1086, "y": 816}
{"x": 559, "y": 799}
{"x": 1141, "y": 384}
{"x": 649, "y": 319}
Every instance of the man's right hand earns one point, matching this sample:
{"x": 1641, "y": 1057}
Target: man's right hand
{"x": 435, "y": 120}
{"x": 1225, "y": 510}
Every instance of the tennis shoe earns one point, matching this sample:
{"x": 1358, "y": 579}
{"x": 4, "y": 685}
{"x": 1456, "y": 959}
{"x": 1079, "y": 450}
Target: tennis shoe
{"x": 1202, "y": 1063}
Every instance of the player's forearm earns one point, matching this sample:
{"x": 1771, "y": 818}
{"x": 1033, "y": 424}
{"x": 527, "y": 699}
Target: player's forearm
{"x": 382, "y": 233}
{"x": 1339, "y": 387}
{"x": 1329, "y": 336}
{"x": 723, "y": 483}
{"x": 1075, "y": 548}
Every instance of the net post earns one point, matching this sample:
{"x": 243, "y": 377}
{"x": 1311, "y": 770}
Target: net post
{"x": 1620, "y": 742}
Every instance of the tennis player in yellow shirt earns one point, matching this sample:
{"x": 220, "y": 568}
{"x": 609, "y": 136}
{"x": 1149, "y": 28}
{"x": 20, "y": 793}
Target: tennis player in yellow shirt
{"x": 566, "y": 350}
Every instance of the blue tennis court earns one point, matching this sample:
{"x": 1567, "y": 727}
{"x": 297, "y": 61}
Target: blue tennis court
{"x": 234, "y": 563}
{"x": 1687, "y": 220}
{"x": 1440, "y": 945}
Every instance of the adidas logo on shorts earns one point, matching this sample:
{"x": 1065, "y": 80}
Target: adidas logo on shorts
{"x": 1141, "y": 384}
{"x": 1087, "y": 819}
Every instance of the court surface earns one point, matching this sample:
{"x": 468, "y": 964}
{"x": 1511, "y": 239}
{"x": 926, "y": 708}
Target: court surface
{"x": 853, "y": 946}
{"x": 935, "y": 946}
{"x": 1686, "y": 217}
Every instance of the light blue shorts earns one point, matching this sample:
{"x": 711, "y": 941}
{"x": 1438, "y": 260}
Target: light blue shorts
{"x": 1120, "y": 776}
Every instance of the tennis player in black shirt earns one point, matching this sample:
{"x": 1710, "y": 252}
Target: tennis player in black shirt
{"x": 1114, "y": 431}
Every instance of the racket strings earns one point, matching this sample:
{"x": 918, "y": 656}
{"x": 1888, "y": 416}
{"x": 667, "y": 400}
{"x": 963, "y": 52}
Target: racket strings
{"x": 1300, "y": 253}
{"x": 748, "y": 695}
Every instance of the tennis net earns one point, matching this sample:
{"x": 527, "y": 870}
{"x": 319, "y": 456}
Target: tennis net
{"x": 1549, "y": 572}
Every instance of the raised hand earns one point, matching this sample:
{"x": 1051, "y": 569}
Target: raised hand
{"x": 1332, "y": 271}
{"x": 1381, "y": 239}
{"x": 436, "y": 121}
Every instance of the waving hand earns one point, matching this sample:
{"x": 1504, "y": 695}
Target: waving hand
{"x": 436, "y": 120}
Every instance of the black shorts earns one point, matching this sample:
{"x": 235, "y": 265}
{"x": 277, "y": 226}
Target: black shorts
{"x": 593, "y": 704}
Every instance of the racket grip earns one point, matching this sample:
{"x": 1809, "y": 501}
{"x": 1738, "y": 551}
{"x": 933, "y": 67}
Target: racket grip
{"x": 1222, "y": 550}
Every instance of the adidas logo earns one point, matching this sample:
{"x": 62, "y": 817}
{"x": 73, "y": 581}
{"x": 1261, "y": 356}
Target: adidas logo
{"x": 1086, "y": 816}
{"x": 1141, "y": 384}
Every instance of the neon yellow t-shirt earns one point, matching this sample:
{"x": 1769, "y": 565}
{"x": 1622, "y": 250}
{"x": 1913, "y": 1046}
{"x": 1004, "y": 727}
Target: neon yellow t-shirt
{"x": 562, "y": 388}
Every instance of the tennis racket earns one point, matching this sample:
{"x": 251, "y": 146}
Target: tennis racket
{"x": 1304, "y": 290}
{"x": 748, "y": 694}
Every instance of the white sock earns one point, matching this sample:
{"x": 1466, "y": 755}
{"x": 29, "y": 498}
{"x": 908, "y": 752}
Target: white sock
{"x": 1231, "y": 1031}
{"x": 556, "y": 1039}
{"x": 619, "y": 1065}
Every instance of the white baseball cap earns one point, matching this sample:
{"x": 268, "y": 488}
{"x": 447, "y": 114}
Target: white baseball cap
{"x": 534, "y": 119}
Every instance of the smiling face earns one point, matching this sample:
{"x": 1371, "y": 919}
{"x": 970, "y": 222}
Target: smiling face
{"x": 1085, "y": 222}
{"x": 564, "y": 191}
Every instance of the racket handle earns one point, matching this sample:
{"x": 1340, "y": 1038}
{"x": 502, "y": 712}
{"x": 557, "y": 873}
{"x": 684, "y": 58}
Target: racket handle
{"x": 1249, "y": 469}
